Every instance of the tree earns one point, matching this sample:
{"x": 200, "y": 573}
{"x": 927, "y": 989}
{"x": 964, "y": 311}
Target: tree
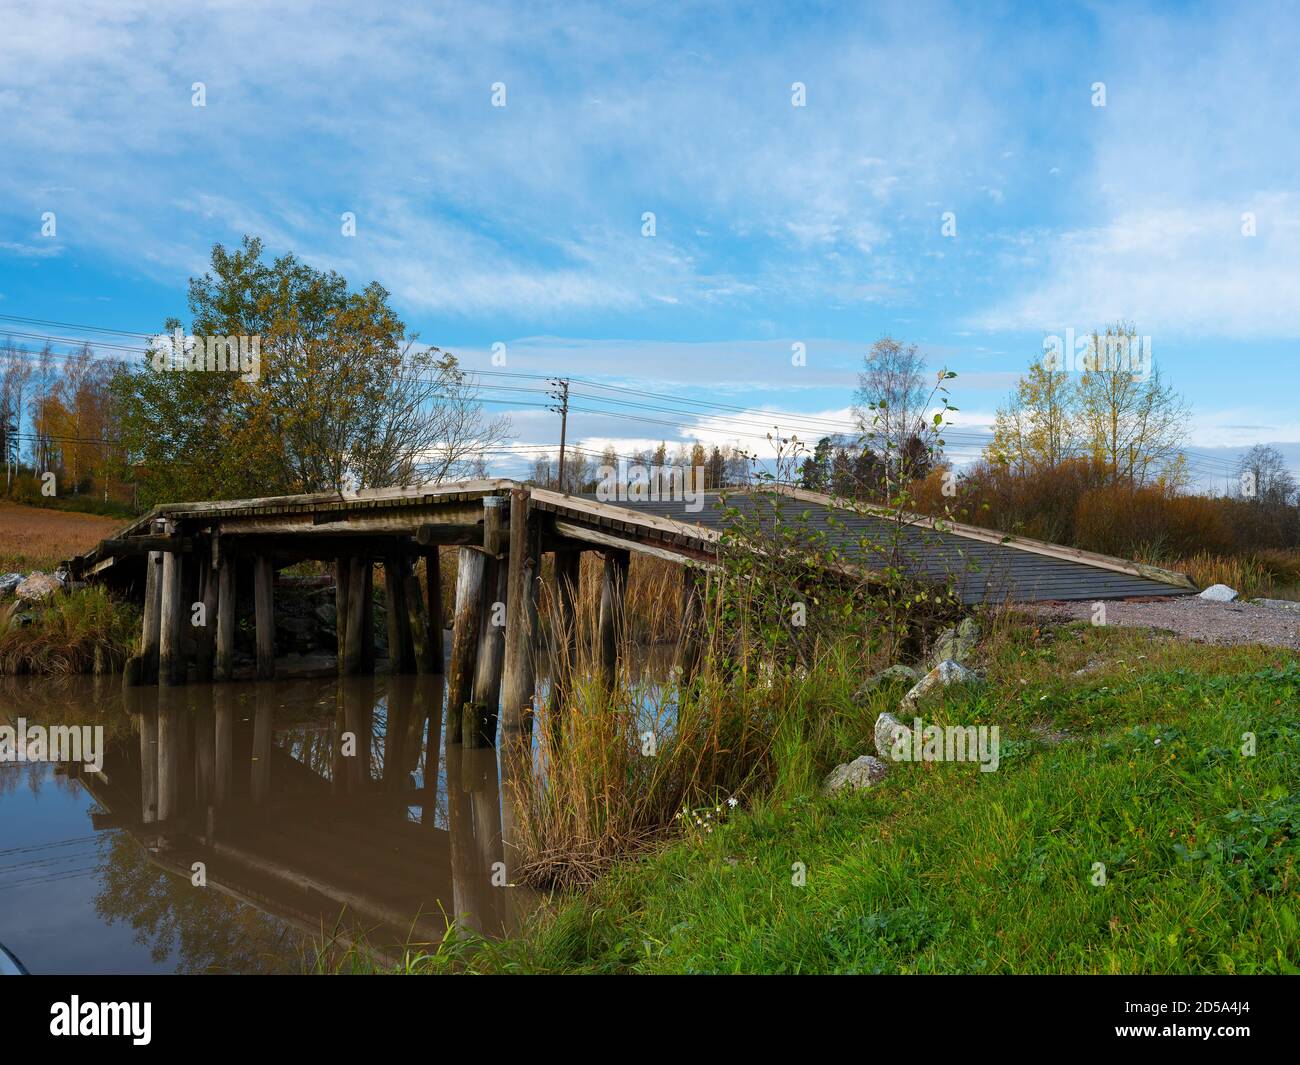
{"x": 890, "y": 397}
{"x": 1039, "y": 426}
{"x": 1132, "y": 421}
{"x": 1264, "y": 478}
{"x": 343, "y": 397}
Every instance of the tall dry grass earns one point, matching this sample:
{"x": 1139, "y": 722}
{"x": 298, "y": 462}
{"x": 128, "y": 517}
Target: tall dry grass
{"x": 75, "y": 633}
{"x": 1268, "y": 574}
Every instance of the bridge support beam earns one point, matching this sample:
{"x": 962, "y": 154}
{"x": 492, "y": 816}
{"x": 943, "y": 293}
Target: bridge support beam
{"x": 225, "y": 662}
{"x": 171, "y": 618}
{"x": 398, "y": 627}
{"x": 479, "y": 725}
{"x": 417, "y": 621}
{"x": 465, "y": 636}
{"x": 264, "y": 615}
{"x": 433, "y": 605}
{"x": 206, "y": 635}
{"x": 612, "y": 614}
{"x": 517, "y": 684}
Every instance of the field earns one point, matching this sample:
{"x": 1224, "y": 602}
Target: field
{"x": 39, "y": 538}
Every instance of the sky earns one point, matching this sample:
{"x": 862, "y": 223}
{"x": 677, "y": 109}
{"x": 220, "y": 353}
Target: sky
{"x": 1094, "y": 163}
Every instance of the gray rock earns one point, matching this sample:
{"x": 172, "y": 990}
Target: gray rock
{"x": 8, "y": 582}
{"x": 1273, "y": 604}
{"x": 325, "y": 614}
{"x": 956, "y": 644}
{"x": 888, "y": 727}
{"x": 945, "y": 673}
{"x": 859, "y": 773}
{"x": 38, "y": 586}
{"x": 1219, "y": 593}
{"x": 885, "y": 676}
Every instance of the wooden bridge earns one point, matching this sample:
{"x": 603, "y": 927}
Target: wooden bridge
{"x": 181, "y": 556}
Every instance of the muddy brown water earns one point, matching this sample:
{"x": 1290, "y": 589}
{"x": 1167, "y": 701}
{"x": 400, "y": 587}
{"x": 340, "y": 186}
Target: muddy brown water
{"x": 241, "y": 827}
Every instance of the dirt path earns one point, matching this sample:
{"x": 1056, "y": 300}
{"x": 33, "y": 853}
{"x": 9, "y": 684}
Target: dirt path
{"x": 1196, "y": 619}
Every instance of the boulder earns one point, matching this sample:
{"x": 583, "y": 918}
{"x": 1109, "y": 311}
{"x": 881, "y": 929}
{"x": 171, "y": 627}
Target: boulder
{"x": 37, "y": 587}
{"x": 859, "y": 773}
{"x": 893, "y": 673}
{"x": 1219, "y": 593}
{"x": 8, "y": 582}
{"x": 945, "y": 673}
{"x": 956, "y": 644}
{"x": 887, "y": 728}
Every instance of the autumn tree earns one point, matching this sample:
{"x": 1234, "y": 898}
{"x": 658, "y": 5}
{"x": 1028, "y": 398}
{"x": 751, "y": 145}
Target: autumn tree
{"x": 1132, "y": 421}
{"x": 342, "y": 396}
{"x": 1039, "y": 426}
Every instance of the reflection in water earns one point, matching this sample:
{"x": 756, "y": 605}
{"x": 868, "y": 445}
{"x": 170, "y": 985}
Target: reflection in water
{"x": 311, "y": 809}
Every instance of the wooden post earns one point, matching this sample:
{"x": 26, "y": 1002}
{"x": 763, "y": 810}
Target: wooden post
{"x": 171, "y": 655}
{"x": 464, "y": 638}
{"x": 568, "y": 569}
{"x": 207, "y": 635}
{"x": 264, "y": 615}
{"x": 611, "y": 613}
{"x": 353, "y": 647}
{"x": 433, "y": 588}
{"x": 367, "y": 614}
{"x": 521, "y": 629}
{"x": 418, "y": 624}
{"x": 225, "y": 664}
{"x": 479, "y": 725}
{"x": 151, "y": 626}
{"x": 395, "y": 592}
{"x": 342, "y": 579}
{"x": 688, "y": 641}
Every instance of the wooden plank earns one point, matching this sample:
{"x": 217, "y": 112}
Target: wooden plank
{"x": 465, "y": 634}
{"x": 574, "y": 531}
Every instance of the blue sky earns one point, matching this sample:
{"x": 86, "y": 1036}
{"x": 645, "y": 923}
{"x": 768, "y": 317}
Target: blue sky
{"x": 775, "y": 224}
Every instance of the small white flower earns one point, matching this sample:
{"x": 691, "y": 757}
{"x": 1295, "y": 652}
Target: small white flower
{"x": 732, "y": 802}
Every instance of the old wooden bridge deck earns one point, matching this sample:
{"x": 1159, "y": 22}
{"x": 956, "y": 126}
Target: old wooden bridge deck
{"x": 181, "y": 555}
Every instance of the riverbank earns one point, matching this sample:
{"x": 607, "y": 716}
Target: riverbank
{"x": 1124, "y": 831}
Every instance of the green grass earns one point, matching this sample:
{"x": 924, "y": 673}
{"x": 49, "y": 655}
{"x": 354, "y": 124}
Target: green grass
{"x": 942, "y": 869}
{"x": 64, "y": 633}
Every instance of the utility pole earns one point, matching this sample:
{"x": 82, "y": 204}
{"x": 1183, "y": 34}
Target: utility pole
{"x": 561, "y": 394}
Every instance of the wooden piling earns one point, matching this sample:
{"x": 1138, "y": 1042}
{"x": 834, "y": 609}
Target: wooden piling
{"x": 353, "y": 648}
{"x": 418, "y": 624}
{"x": 171, "y": 617}
{"x": 264, "y": 615}
{"x": 151, "y": 624}
{"x": 611, "y": 613}
{"x": 367, "y": 614}
{"x": 479, "y": 724}
{"x": 206, "y": 635}
{"x": 395, "y": 593}
{"x": 225, "y": 660}
{"x": 465, "y": 634}
{"x": 342, "y": 580}
{"x": 433, "y": 605}
{"x": 521, "y": 628}
{"x": 568, "y": 567}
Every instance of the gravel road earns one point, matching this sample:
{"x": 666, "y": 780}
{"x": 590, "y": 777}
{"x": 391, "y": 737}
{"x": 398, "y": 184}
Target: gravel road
{"x": 1193, "y": 618}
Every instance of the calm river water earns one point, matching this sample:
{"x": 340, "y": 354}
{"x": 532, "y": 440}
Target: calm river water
{"x": 236, "y": 827}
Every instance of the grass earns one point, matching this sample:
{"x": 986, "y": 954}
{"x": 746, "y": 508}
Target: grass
{"x": 1267, "y": 574}
{"x": 67, "y": 634}
{"x": 1136, "y": 764}
{"x": 39, "y": 538}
